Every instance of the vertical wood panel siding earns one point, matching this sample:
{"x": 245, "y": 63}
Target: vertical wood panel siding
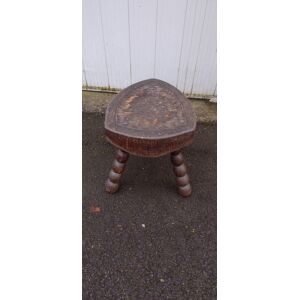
{"x": 125, "y": 41}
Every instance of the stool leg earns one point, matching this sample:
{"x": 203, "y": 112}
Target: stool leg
{"x": 180, "y": 170}
{"x": 112, "y": 183}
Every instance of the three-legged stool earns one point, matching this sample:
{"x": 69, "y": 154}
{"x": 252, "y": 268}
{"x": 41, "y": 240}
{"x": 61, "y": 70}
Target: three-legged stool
{"x": 150, "y": 118}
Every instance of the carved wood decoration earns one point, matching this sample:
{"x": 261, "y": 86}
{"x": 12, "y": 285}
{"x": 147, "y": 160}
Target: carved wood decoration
{"x": 150, "y": 118}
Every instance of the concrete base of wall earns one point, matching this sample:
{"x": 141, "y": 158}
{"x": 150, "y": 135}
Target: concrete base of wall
{"x": 97, "y": 102}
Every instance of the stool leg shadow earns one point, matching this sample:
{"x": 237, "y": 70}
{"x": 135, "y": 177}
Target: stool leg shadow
{"x": 180, "y": 171}
{"x": 113, "y": 181}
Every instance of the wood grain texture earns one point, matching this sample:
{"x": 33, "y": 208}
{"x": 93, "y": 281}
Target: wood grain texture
{"x": 150, "y": 118}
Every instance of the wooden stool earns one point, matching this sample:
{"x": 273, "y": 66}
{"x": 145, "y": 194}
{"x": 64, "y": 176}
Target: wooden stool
{"x": 150, "y": 118}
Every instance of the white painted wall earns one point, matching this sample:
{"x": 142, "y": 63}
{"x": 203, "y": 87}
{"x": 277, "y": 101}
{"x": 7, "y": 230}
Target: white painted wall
{"x": 125, "y": 41}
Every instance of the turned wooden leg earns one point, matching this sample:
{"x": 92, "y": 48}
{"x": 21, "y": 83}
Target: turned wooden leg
{"x": 112, "y": 183}
{"x": 180, "y": 170}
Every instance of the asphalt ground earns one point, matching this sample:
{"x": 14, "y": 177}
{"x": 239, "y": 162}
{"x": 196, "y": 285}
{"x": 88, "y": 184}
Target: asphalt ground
{"x": 145, "y": 241}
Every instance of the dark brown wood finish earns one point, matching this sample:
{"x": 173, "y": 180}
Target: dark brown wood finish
{"x": 180, "y": 171}
{"x": 112, "y": 183}
{"x": 150, "y": 118}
